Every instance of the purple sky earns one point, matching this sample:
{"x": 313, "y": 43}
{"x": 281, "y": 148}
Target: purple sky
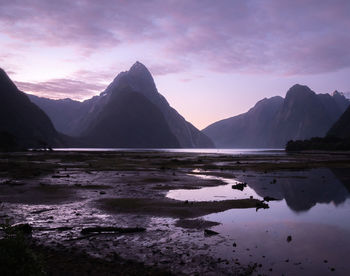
{"x": 210, "y": 59}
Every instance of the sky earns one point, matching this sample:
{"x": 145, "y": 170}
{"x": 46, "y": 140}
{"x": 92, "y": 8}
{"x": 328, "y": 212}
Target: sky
{"x": 210, "y": 59}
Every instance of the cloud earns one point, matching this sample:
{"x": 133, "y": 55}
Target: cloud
{"x": 61, "y": 88}
{"x": 251, "y": 36}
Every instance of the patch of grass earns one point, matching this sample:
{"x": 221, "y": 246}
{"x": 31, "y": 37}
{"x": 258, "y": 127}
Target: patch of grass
{"x": 16, "y": 257}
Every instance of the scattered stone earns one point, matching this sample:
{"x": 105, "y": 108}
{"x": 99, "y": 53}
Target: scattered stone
{"x": 102, "y": 192}
{"x": 234, "y": 244}
{"x": 289, "y": 238}
{"x": 325, "y": 261}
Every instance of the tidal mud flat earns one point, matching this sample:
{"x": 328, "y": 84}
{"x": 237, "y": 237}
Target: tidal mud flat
{"x": 172, "y": 212}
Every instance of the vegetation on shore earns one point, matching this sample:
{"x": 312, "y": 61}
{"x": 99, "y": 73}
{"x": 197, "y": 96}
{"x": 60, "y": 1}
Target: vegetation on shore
{"x": 327, "y": 143}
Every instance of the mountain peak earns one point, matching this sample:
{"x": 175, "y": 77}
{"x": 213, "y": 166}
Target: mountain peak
{"x": 140, "y": 70}
{"x": 139, "y": 78}
{"x": 298, "y": 90}
{"x": 5, "y": 81}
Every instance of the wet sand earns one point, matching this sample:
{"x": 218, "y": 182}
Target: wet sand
{"x": 61, "y": 193}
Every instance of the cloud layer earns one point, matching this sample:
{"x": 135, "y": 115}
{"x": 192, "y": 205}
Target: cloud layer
{"x": 252, "y": 36}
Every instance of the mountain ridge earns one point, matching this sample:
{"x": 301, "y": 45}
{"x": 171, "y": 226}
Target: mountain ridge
{"x": 302, "y": 114}
{"x": 138, "y": 79}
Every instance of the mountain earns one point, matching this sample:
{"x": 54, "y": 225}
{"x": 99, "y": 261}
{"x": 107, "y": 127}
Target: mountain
{"x": 341, "y": 128}
{"x": 273, "y": 122}
{"x": 250, "y": 129}
{"x": 305, "y": 114}
{"x": 63, "y": 113}
{"x": 81, "y": 119}
{"x": 130, "y": 120}
{"x": 22, "y": 123}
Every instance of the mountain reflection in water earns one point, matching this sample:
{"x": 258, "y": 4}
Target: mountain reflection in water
{"x": 302, "y": 189}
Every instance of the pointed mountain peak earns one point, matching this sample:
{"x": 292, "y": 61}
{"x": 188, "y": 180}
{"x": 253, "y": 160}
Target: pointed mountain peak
{"x": 138, "y": 79}
{"x": 5, "y": 81}
{"x": 3, "y": 74}
{"x": 139, "y": 70}
{"x": 138, "y": 66}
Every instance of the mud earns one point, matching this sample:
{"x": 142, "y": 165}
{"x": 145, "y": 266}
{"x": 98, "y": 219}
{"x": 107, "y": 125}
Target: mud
{"x": 61, "y": 193}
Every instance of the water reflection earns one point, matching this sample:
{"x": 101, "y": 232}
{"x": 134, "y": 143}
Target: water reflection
{"x": 303, "y": 189}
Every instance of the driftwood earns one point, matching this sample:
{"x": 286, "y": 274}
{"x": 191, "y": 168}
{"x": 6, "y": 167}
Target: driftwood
{"x": 119, "y": 230}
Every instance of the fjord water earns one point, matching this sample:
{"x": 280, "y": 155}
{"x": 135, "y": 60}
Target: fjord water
{"x": 312, "y": 207}
{"x": 181, "y": 150}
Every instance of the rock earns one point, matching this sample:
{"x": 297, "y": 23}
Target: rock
{"x": 209, "y": 232}
{"x": 261, "y": 205}
{"x": 23, "y": 227}
{"x": 289, "y": 238}
{"x": 269, "y": 198}
{"x": 239, "y": 186}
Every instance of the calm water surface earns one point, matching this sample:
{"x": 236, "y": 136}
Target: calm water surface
{"x": 217, "y": 151}
{"x": 313, "y": 208}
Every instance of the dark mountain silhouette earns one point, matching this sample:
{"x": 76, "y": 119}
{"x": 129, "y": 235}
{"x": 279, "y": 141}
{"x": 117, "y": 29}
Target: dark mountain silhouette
{"x": 130, "y": 120}
{"x": 82, "y": 117}
{"x": 341, "y": 128}
{"x": 251, "y": 129}
{"x": 301, "y": 115}
{"x": 22, "y": 123}
{"x": 305, "y": 114}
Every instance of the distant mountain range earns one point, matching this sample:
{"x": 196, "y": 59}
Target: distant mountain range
{"x": 272, "y": 122}
{"x": 129, "y": 113}
{"x": 22, "y": 123}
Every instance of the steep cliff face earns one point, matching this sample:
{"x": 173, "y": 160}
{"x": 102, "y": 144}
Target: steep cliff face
{"x": 251, "y": 129}
{"x": 129, "y": 120}
{"x": 341, "y": 128}
{"x": 138, "y": 79}
{"x": 273, "y": 122}
{"x": 21, "y": 121}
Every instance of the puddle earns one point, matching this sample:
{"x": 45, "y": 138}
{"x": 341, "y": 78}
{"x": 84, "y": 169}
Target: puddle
{"x": 314, "y": 211}
{"x": 222, "y": 192}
